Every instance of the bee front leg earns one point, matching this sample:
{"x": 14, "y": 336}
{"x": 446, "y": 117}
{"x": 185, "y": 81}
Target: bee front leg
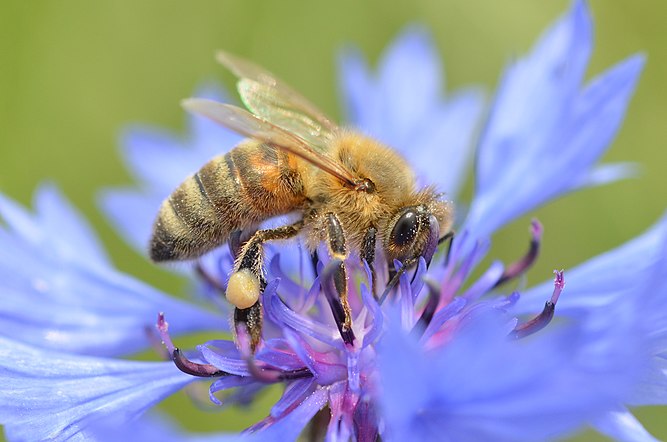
{"x": 368, "y": 255}
{"x": 247, "y": 281}
{"x": 337, "y": 250}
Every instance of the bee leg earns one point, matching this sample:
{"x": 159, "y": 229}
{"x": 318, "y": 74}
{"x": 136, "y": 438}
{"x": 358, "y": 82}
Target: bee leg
{"x": 247, "y": 281}
{"x": 368, "y": 255}
{"x": 251, "y": 317}
{"x": 314, "y": 259}
{"x": 337, "y": 250}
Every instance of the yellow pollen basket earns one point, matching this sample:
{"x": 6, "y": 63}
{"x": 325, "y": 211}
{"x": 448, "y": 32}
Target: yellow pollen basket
{"x": 243, "y": 289}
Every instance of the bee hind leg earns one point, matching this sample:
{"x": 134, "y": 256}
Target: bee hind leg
{"x": 247, "y": 282}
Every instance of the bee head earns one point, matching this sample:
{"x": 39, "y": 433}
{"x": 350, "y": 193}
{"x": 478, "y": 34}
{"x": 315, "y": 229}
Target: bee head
{"x": 414, "y": 230}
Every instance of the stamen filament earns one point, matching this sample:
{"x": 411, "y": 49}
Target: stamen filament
{"x": 180, "y": 360}
{"x": 268, "y": 375}
{"x": 544, "y": 318}
{"x": 193, "y": 368}
{"x": 430, "y": 308}
{"x": 520, "y": 267}
{"x": 395, "y": 277}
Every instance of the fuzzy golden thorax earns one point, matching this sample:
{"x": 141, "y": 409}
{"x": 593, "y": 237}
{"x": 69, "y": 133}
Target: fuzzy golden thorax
{"x": 393, "y": 189}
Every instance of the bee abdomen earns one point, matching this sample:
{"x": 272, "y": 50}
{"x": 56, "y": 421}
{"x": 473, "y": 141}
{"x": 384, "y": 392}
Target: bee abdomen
{"x": 231, "y": 192}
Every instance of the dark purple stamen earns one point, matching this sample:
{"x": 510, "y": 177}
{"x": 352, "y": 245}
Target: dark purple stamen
{"x": 519, "y": 267}
{"x": 270, "y": 375}
{"x": 543, "y": 319}
{"x": 299, "y": 373}
{"x": 180, "y": 360}
{"x": 192, "y": 368}
{"x": 430, "y": 308}
{"x": 448, "y": 235}
{"x": 328, "y": 287}
{"x": 264, "y": 373}
{"x": 395, "y": 277}
{"x": 448, "y": 254}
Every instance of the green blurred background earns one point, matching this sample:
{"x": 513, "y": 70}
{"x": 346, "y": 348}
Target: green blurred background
{"x": 73, "y": 73}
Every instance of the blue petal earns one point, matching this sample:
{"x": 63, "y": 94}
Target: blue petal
{"x": 154, "y": 427}
{"x": 441, "y": 146}
{"x": 291, "y": 424}
{"x": 341, "y": 427}
{"x": 632, "y": 275}
{"x": 652, "y": 304}
{"x": 55, "y": 297}
{"x": 403, "y": 108}
{"x": 133, "y": 213}
{"x": 50, "y": 396}
{"x": 604, "y": 279}
{"x": 533, "y": 93}
{"x": 294, "y": 392}
{"x": 56, "y": 227}
{"x": 145, "y": 150}
{"x": 608, "y": 173}
{"x": 206, "y": 135}
{"x": 225, "y": 356}
{"x": 158, "y": 429}
{"x": 545, "y": 134}
{"x": 622, "y": 426}
{"x": 598, "y": 113}
{"x": 410, "y": 80}
{"x": 482, "y": 386}
{"x": 161, "y": 161}
{"x": 228, "y": 382}
{"x": 359, "y": 92}
{"x": 281, "y": 314}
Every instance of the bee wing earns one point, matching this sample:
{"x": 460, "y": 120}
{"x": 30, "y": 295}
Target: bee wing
{"x": 271, "y": 99}
{"x": 245, "y": 123}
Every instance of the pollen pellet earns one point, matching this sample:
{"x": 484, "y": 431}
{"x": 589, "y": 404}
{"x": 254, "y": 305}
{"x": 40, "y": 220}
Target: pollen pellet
{"x": 243, "y": 289}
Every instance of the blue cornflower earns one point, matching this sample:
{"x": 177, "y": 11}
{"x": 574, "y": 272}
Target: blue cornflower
{"x": 439, "y": 359}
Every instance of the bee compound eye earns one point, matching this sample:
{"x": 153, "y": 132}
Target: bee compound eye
{"x": 405, "y": 229}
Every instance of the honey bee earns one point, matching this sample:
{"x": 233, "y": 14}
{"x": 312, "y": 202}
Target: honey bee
{"x": 352, "y": 193}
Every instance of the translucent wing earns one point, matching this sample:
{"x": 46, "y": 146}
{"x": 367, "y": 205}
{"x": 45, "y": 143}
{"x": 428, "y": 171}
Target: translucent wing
{"x": 272, "y": 100}
{"x": 245, "y": 123}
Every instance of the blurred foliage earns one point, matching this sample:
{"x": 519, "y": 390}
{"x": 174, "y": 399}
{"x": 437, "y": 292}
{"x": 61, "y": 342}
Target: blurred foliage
{"x": 74, "y": 73}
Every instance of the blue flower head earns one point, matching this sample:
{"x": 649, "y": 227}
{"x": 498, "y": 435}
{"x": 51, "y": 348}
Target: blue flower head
{"x": 441, "y": 350}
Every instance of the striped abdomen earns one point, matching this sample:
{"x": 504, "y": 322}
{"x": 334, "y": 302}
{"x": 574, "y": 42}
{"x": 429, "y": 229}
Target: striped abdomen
{"x": 233, "y": 191}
